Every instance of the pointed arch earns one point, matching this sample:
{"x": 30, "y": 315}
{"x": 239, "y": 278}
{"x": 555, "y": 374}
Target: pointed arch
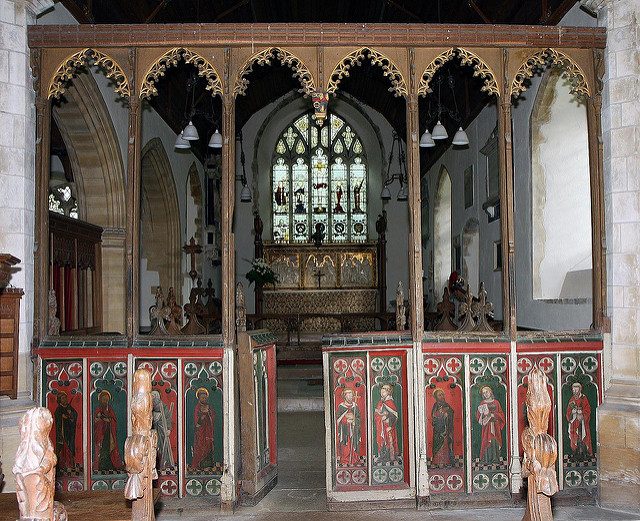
{"x": 159, "y": 216}
{"x": 442, "y": 242}
{"x": 553, "y": 57}
{"x": 480, "y": 68}
{"x": 170, "y": 59}
{"x": 70, "y": 65}
{"x": 300, "y": 70}
{"x": 389, "y": 69}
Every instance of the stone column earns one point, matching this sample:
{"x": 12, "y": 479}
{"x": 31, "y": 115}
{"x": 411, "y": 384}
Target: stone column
{"x": 619, "y": 415}
{"x": 17, "y": 197}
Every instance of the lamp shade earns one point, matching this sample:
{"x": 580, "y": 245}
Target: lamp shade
{"x": 245, "y": 194}
{"x": 216, "y": 142}
{"x": 460, "y": 138}
{"x": 190, "y": 132}
{"x": 426, "y": 141}
{"x": 181, "y": 142}
{"x": 439, "y": 132}
{"x": 403, "y": 194}
{"x": 385, "y": 195}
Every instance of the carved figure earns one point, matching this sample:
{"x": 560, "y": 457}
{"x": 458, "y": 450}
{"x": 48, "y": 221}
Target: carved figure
{"x": 34, "y": 468}
{"x": 54, "y": 321}
{"x": 140, "y": 449}
{"x": 540, "y": 450}
{"x": 401, "y": 311}
{"x": 381, "y": 223}
{"x": 159, "y": 315}
{"x": 175, "y": 318}
{"x": 241, "y": 309}
{"x": 194, "y": 309}
{"x": 318, "y": 235}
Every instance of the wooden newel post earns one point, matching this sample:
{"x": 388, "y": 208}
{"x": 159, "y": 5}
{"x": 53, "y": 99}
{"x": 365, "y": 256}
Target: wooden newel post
{"x": 140, "y": 450}
{"x": 540, "y": 450}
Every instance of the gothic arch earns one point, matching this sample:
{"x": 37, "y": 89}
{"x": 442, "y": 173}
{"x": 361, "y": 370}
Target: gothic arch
{"x": 442, "y": 236}
{"x": 69, "y": 67}
{"x": 390, "y": 69}
{"x": 159, "y": 216}
{"x": 300, "y": 70}
{"x": 170, "y": 59}
{"x": 540, "y": 59}
{"x": 480, "y": 68}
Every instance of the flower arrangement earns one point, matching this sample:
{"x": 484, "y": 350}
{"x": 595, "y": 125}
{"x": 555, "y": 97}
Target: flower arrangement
{"x": 261, "y": 273}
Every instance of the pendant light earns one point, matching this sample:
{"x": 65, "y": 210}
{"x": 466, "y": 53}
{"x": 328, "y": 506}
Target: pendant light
{"x": 216, "y": 140}
{"x": 439, "y": 132}
{"x": 460, "y": 138}
{"x": 181, "y": 142}
{"x": 426, "y": 140}
{"x": 190, "y": 132}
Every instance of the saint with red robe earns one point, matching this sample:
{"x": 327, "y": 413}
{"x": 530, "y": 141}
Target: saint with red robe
{"x": 349, "y": 435}
{"x": 105, "y": 442}
{"x": 203, "y": 456}
{"x": 386, "y": 419}
{"x": 578, "y": 416}
{"x": 492, "y": 420}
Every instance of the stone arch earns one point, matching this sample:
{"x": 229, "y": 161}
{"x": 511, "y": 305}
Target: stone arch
{"x": 471, "y": 253}
{"x": 389, "y": 68}
{"x": 442, "y": 241}
{"x": 160, "y": 217}
{"x": 579, "y": 84}
{"x": 301, "y": 72}
{"x": 480, "y": 68}
{"x": 170, "y": 59}
{"x": 70, "y": 65}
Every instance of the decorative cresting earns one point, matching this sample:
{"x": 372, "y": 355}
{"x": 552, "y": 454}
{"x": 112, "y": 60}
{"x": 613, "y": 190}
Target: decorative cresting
{"x": 480, "y": 68}
{"x": 170, "y": 59}
{"x": 553, "y": 57}
{"x": 389, "y": 69}
{"x": 67, "y": 69}
{"x": 300, "y": 71}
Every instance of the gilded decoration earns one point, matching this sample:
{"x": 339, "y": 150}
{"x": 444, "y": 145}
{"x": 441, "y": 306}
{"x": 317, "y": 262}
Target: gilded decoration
{"x": 389, "y": 69}
{"x": 541, "y": 59}
{"x": 67, "y": 69}
{"x": 300, "y": 71}
{"x": 480, "y": 68}
{"x": 170, "y": 59}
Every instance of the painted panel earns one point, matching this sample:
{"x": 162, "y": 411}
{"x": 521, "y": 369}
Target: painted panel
{"x": 444, "y": 395}
{"x": 64, "y": 395}
{"x": 264, "y": 382}
{"x": 203, "y": 419}
{"x": 489, "y": 419}
{"x": 108, "y": 420}
{"x": 164, "y": 382}
{"x": 350, "y": 419}
{"x": 581, "y": 394}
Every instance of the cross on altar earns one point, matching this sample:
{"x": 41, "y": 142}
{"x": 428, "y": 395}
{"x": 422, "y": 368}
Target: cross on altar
{"x": 192, "y": 249}
{"x": 318, "y": 274}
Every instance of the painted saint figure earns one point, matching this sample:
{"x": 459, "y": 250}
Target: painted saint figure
{"x": 203, "y": 415}
{"x": 349, "y": 435}
{"x": 339, "y": 192}
{"x": 105, "y": 442}
{"x": 65, "y": 418}
{"x": 386, "y": 419}
{"x": 442, "y": 422}
{"x": 162, "y": 419}
{"x": 578, "y": 416}
{"x": 491, "y": 417}
{"x": 280, "y": 195}
{"x": 356, "y": 197}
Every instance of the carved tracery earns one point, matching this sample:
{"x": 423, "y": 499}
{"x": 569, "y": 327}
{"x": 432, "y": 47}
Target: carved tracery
{"x": 170, "y": 59}
{"x": 389, "y": 69}
{"x": 300, "y": 71}
{"x": 480, "y": 68}
{"x": 68, "y": 68}
{"x": 541, "y": 59}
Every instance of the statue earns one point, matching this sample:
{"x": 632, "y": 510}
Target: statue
{"x": 54, "y": 321}
{"x": 401, "y": 311}
{"x": 35, "y": 468}
{"x": 318, "y": 235}
{"x": 140, "y": 449}
{"x": 540, "y": 450}
{"x": 159, "y": 314}
{"x": 381, "y": 223}
{"x": 241, "y": 310}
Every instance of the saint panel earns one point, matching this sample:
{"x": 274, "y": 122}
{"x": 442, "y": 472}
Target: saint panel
{"x": 264, "y": 365}
{"x": 108, "y": 409}
{"x": 444, "y": 391}
{"x": 164, "y": 394}
{"x": 489, "y": 418}
{"x": 63, "y": 396}
{"x": 203, "y": 417}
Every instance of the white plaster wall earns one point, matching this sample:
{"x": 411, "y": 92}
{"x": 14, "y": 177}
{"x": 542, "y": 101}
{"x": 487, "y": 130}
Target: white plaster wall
{"x": 260, "y": 135}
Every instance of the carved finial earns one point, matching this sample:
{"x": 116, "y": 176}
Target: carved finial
{"x": 401, "y": 310}
{"x": 540, "y": 450}
{"x": 467, "y": 310}
{"x": 140, "y": 449}
{"x": 174, "y": 315}
{"x": 483, "y": 310}
{"x": 35, "y": 468}
{"x": 54, "y": 321}
{"x": 159, "y": 313}
{"x": 241, "y": 309}
{"x": 194, "y": 310}
{"x": 445, "y": 309}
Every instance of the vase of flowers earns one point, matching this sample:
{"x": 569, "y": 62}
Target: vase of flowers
{"x": 261, "y": 273}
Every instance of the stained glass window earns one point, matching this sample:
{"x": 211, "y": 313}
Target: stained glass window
{"x": 319, "y": 178}
{"x": 62, "y": 201}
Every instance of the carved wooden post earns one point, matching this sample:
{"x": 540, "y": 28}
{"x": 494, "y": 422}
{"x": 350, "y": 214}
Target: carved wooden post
{"x": 140, "y": 450}
{"x": 35, "y": 468}
{"x": 540, "y": 450}
{"x": 401, "y": 319}
{"x": 241, "y": 310}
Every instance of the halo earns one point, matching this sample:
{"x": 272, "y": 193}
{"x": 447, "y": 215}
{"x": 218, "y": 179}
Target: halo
{"x": 104, "y": 391}
{"x": 437, "y": 390}
{"x": 486, "y": 387}
{"x": 203, "y": 390}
